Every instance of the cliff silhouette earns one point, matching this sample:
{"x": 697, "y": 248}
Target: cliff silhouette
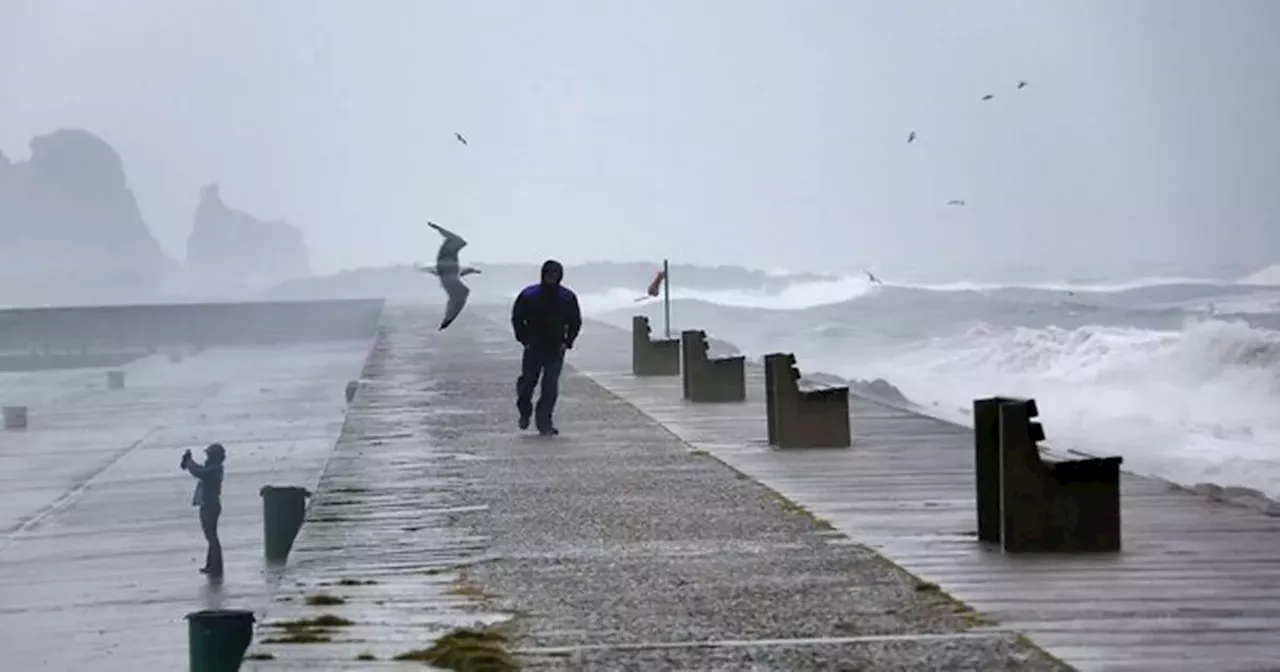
{"x": 231, "y": 252}
{"x": 70, "y": 227}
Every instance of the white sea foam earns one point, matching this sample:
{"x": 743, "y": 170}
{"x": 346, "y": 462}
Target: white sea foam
{"x": 1192, "y": 404}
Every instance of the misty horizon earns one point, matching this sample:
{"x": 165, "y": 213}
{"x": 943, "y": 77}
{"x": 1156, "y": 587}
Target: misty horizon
{"x": 639, "y": 131}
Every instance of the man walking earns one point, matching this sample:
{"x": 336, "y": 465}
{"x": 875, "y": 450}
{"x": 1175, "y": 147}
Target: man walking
{"x": 546, "y": 320}
{"x": 208, "y": 497}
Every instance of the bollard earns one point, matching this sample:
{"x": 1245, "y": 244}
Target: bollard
{"x": 15, "y": 417}
{"x": 352, "y": 386}
{"x": 115, "y": 380}
{"x": 283, "y": 510}
{"x": 218, "y": 638}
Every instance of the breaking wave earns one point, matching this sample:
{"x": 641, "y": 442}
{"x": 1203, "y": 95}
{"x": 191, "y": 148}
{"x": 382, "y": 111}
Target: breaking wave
{"x": 1181, "y": 376}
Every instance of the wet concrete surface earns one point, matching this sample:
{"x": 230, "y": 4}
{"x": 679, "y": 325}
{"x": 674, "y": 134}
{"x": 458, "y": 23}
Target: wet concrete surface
{"x": 381, "y": 535}
{"x": 99, "y": 543}
{"x": 1194, "y": 588}
{"x": 612, "y": 546}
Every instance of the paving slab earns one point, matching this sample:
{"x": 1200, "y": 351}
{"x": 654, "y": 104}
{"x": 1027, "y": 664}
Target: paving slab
{"x": 612, "y": 546}
{"x": 99, "y": 543}
{"x": 1195, "y": 588}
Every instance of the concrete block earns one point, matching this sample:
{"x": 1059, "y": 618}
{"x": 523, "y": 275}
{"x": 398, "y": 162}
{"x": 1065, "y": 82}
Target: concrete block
{"x": 1048, "y": 503}
{"x": 652, "y": 357}
{"x": 15, "y": 417}
{"x": 352, "y": 387}
{"x": 707, "y": 380}
{"x": 115, "y": 380}
{"x": 798, "y": 418}
{"x": 175, "y": 357}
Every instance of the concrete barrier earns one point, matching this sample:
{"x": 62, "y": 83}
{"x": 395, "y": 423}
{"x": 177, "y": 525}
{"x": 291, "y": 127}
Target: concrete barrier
{"x": 796, "y": 418}
{"x": 707, "y": 380}
{"x": 151, "y": 326}
{"x": 1043, "y": 502}
{"x": 651, "y": 357}
{"x": 15, "y": 417}
{"x": 49, "y": 361}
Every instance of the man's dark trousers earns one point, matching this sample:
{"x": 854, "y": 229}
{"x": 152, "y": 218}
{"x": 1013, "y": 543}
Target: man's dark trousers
{"x": 545, "y": 363}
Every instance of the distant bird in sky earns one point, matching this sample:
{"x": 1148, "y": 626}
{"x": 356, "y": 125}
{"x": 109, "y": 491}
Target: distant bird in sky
{"x": 911, "y": 136}
{"x": 1021, "y": 84}
{"x": 460, "y": 138}
{"x": 959, "y": 203}
{"x": 450, "y": 271}
{"x": 989, "y": 96}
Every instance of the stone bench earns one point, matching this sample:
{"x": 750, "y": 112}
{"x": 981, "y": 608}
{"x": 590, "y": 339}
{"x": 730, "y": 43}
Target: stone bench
{"x": 708, "y": 380}
{"x": 652, "y": 357}
{"x": 799, "y": 418}
{"x": 1033, "y": 500}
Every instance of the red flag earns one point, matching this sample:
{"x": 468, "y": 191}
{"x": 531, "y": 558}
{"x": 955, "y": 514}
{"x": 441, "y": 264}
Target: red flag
{"x": 656, "y": 284}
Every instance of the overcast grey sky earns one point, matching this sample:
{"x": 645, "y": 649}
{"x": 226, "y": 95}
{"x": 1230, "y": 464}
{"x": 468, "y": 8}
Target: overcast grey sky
{"x": 735, "y": 131}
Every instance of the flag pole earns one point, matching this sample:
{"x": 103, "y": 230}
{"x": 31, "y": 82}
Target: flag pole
{"x": 666, "y": 296}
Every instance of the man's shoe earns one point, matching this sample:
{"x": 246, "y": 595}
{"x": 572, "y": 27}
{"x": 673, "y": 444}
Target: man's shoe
{"x": 549, "y": 431}
{"x": 524, "y": 422}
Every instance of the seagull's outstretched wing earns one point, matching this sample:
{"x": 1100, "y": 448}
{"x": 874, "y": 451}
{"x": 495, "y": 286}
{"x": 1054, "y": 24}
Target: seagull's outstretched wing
{"x": 453, "y": 243}
{"x": 458, "y": 294}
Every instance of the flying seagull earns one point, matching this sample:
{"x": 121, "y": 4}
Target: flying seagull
{"x": 1021, "y": 84}
{"x": 911, "y": 136}
{"x": 960, "y": 203}
{"x": 989, "y": 96}
{"x": 460, "y": 138}
{"x": 450, "y": 273}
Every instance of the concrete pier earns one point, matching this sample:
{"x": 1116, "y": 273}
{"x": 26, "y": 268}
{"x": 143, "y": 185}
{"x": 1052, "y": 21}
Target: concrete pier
{"x": 1192, "y": 590}
{"x": 612, "y": 546}
{"x": 654, "y": 533}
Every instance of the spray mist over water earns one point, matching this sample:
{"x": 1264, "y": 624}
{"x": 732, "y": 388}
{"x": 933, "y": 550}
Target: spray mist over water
{"x": 1133, "y": 368}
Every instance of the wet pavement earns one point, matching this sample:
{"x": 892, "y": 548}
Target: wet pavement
{"x": 99, "y": 543}
{"x": 380, "y": 535}
{"x": 612, "y": 546}
{"x": 1193, "y": 589}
